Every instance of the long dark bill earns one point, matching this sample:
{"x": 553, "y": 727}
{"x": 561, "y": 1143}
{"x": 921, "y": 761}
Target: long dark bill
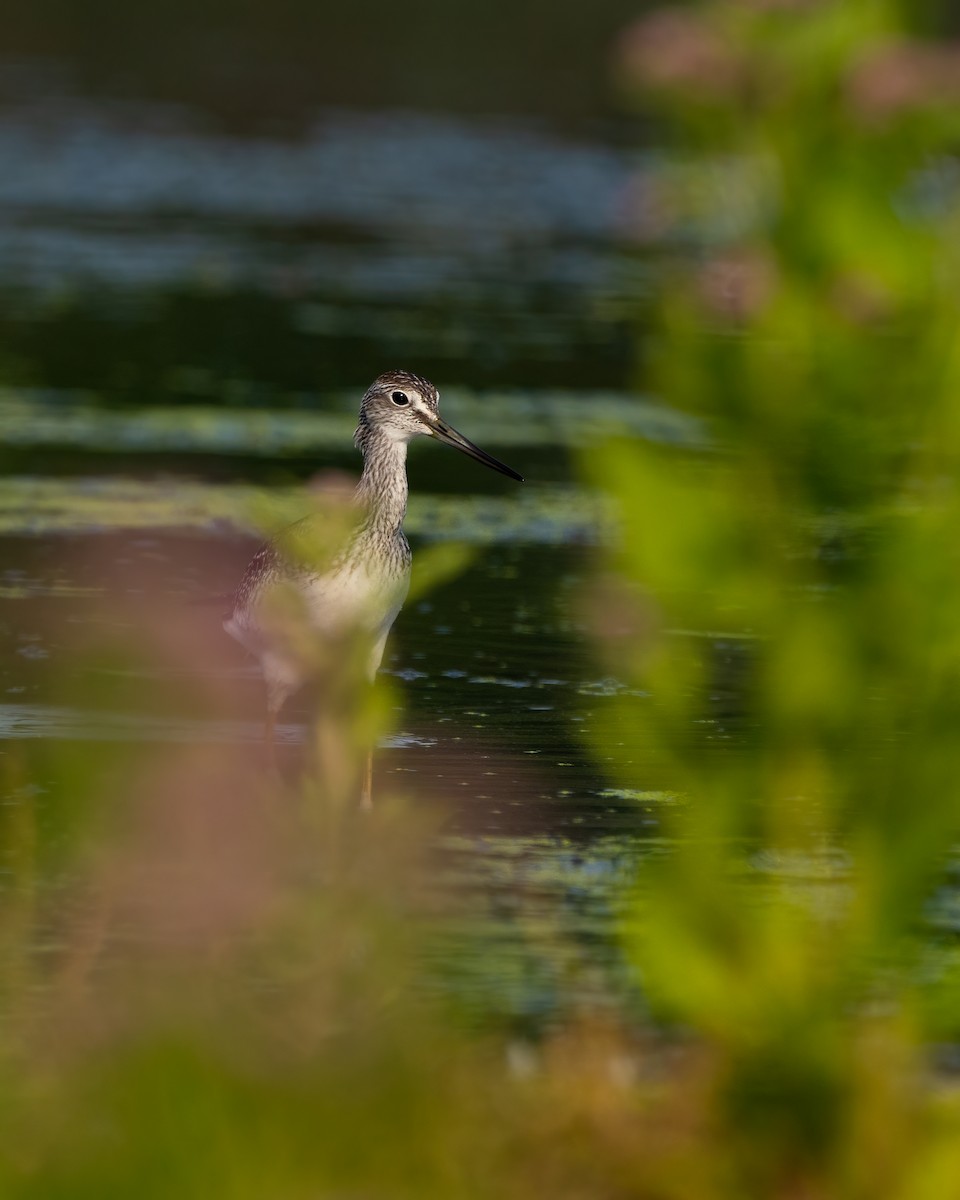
{"x": 446, "y": 433}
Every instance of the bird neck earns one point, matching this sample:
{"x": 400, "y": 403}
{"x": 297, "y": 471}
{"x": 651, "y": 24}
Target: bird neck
{"x": 382, "y": 490}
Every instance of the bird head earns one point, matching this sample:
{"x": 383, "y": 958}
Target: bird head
{"x": 399, "y": 406}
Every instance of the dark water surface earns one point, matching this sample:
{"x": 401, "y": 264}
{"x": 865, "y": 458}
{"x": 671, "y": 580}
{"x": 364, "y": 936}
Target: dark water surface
{"x": 190, "y": 313}
{"x": 217, "y": 224}
{"x": 497, "y": 693}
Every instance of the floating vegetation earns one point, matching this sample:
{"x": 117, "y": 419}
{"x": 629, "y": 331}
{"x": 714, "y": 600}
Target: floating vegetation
{"x": 37, "y": 505}
{"x": 77, "y": 421}
{"x": 659, "y": 799}
{"x": 64, "y": 723}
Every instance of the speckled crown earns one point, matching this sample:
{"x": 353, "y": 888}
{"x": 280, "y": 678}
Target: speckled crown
{"x": 391, "y": 380}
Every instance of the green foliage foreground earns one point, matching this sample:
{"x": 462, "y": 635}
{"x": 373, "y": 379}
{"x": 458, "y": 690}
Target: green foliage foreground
{"x": 225, "y": 1000}
{"x": 812, "y": 322}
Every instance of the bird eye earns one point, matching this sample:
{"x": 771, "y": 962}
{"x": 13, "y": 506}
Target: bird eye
{"x": 400, "y": 398}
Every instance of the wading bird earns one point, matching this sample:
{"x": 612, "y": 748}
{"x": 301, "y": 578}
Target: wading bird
{"x": 364, "y": 587}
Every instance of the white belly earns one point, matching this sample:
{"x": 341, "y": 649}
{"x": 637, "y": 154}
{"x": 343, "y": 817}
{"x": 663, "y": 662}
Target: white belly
{"x": 354, "y": 597}
{"x": 348, "y": 599}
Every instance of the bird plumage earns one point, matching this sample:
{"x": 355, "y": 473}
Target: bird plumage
{"x": 363, "y": 586}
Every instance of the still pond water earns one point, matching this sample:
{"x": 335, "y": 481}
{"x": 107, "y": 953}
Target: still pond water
{"x": 189, "y": 320}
